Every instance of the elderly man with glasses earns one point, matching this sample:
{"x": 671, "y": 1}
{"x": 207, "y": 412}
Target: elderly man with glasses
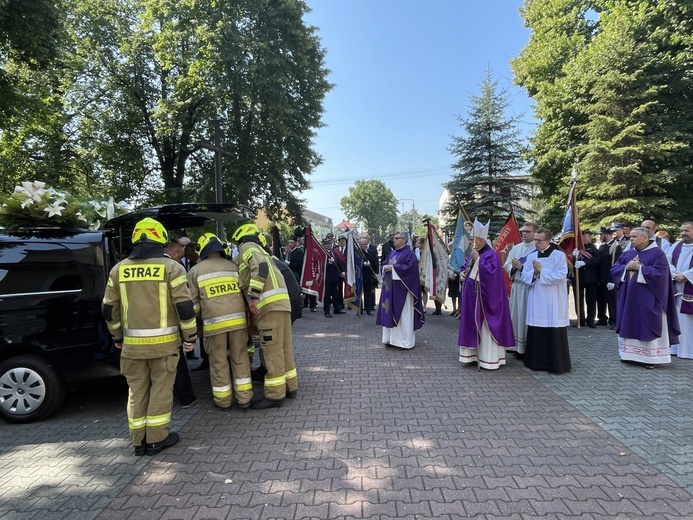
{"x": 400, "y": 311}
{"x": 646, "y": 319}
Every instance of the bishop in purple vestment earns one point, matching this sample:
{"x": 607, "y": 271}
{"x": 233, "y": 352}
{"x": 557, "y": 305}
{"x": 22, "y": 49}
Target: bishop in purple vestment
{"x": 486, "y": 328}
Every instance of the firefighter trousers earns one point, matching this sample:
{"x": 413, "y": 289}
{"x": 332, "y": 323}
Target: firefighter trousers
{"x": 222, "y": 347}
{"x": 275, "y": 340}
{"x": 150, "y": 399}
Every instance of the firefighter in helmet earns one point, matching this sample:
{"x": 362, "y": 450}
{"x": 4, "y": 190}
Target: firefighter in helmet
{"x": 267, "y": 297}
{"x": 147, "y": 308}
{"x": 219, "y": 303}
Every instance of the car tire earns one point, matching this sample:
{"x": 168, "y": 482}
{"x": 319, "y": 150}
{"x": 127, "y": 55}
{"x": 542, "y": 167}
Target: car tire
{"x": 30, "y": 389}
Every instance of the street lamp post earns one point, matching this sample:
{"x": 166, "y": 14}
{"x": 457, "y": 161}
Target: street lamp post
{"x": 412, "y": 211}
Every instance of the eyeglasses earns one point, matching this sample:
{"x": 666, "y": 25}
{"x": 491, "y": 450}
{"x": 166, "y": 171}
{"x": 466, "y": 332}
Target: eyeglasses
{"x": 400, "y": 238}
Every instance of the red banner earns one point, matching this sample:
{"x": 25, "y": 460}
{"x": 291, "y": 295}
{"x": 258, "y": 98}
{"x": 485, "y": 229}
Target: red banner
{"x": 314, "y": 266}
{"x": 508, "y": 237}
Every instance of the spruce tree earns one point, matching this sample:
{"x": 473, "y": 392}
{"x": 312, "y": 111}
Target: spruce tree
{"x": 487, "y": 157}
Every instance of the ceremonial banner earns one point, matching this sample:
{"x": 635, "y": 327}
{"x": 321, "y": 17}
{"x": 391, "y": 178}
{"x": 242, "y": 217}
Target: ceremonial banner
{"x": 571, "y": 237}
{"x": 462, "y": 243}
{"x": 314, "y": 266}
{"x": 509, "y": 237}
{"x": 276, "y": 246}
{"x": 434, "y": 265}
{"x": 353, "y": 286}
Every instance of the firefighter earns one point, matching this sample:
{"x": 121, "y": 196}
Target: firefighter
{"x": 147, "y": 307}
{"x": 267, "y": 297}
{"x": 219, "y": 303}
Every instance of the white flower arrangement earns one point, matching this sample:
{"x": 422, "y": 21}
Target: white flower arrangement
{"x": 33, "y": 204}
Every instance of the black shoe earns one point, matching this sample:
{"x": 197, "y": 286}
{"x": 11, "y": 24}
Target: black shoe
{"x": 370, "y": 313}
{"x": 612, "y": 327}
{"x": 650, "y": 366}
{"x": 203, "y": 366}
{"x": 601, "y": 323}
{"x": 340, "y": 312}
{"x": 266, "y": 403}
{"x": 313, "y": 309}
{"x": 591, "y": 325}
{"x": 258, "y": 375}
{"x": 436, "y": 313}
{"x": 190, "y": 355}
{"x": 189, "y": 404}
{"x": 157, "y": 447}
{"x": 291, "y": 394}
{"x": 140, "y": 451}
{"x": 328, "y": 315}
{"x": 244, "y": 406}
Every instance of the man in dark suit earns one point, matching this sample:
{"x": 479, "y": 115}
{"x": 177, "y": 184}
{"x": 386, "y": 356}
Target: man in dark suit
{"x": 609, "y": 252}
{"x": 373, "y": 250}
{"x": 387, "y": 247}
{"x": 588, "y": 263}
{"x": 339, "y": 253}
{"x": 333, "y": 274}
{"x": 369, "y": 268}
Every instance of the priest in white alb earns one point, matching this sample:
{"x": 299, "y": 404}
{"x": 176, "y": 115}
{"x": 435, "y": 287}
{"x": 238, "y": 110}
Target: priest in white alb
{"x": 680, "y": 258}
{"x": 519, "y": 291}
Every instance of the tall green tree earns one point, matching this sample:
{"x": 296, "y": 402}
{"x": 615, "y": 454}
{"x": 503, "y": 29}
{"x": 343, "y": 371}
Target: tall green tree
{"x": 148, "y": 77}
{"x": 626, "y": 164}
{"x": 413, "y": 220}
{"x": 487, "y": 156}
{"x": 30, "y": 37}
{"x": 371, "y": 202}
{"x": 612, "y": 85}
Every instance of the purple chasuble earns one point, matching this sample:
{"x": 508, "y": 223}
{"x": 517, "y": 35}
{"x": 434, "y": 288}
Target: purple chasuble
{"x": 394, "y": 292}
{"x": 486, "y": 299}
{"x": 640, "y": 305}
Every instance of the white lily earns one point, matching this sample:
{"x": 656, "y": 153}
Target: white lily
{"x": 54, "y": 209}
{"x": 80, "y": 216}
{"x": 34, "y": 190}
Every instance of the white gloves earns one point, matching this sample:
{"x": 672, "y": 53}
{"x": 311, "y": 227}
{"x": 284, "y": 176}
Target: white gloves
{"x": 576, "y": 253}
{"x": 366, "y": 263}
{"x": 579, "y": 264}
{"x": 610, "y": 286}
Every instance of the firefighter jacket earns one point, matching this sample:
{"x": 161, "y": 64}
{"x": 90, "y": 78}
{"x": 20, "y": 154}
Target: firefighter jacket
{"x": 217, "y": 296}
{"x": 261, "y": 280}
{"x": 147, "y": 306}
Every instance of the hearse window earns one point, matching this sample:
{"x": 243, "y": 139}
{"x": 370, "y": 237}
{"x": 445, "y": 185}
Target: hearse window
{"x": 37, "y": 268}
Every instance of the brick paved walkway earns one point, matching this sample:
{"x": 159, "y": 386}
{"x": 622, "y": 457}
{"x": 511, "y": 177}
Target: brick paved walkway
{"x": 380, "y": 433}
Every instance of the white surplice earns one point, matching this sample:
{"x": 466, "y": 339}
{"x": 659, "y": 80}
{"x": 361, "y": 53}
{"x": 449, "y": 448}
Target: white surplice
{"x": 518, "y": 295}
{"x": 403, "y": 335}
{"x": 685, "y": 347}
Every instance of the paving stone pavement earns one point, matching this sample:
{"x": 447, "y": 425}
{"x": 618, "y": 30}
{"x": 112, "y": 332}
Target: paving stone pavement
{"x": 380, "y": 433}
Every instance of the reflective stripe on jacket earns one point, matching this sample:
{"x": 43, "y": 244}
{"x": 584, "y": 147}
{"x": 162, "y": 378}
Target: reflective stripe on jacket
{"x": 149, "y": 306}
{"x": 216, "y": 294}
{"x": 261, "y": 280}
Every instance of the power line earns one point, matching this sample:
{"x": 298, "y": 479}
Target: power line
{"x": 401, "y": 174}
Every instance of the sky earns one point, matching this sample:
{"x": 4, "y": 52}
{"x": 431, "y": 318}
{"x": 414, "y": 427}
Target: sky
{"x": 403, "y": 72}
